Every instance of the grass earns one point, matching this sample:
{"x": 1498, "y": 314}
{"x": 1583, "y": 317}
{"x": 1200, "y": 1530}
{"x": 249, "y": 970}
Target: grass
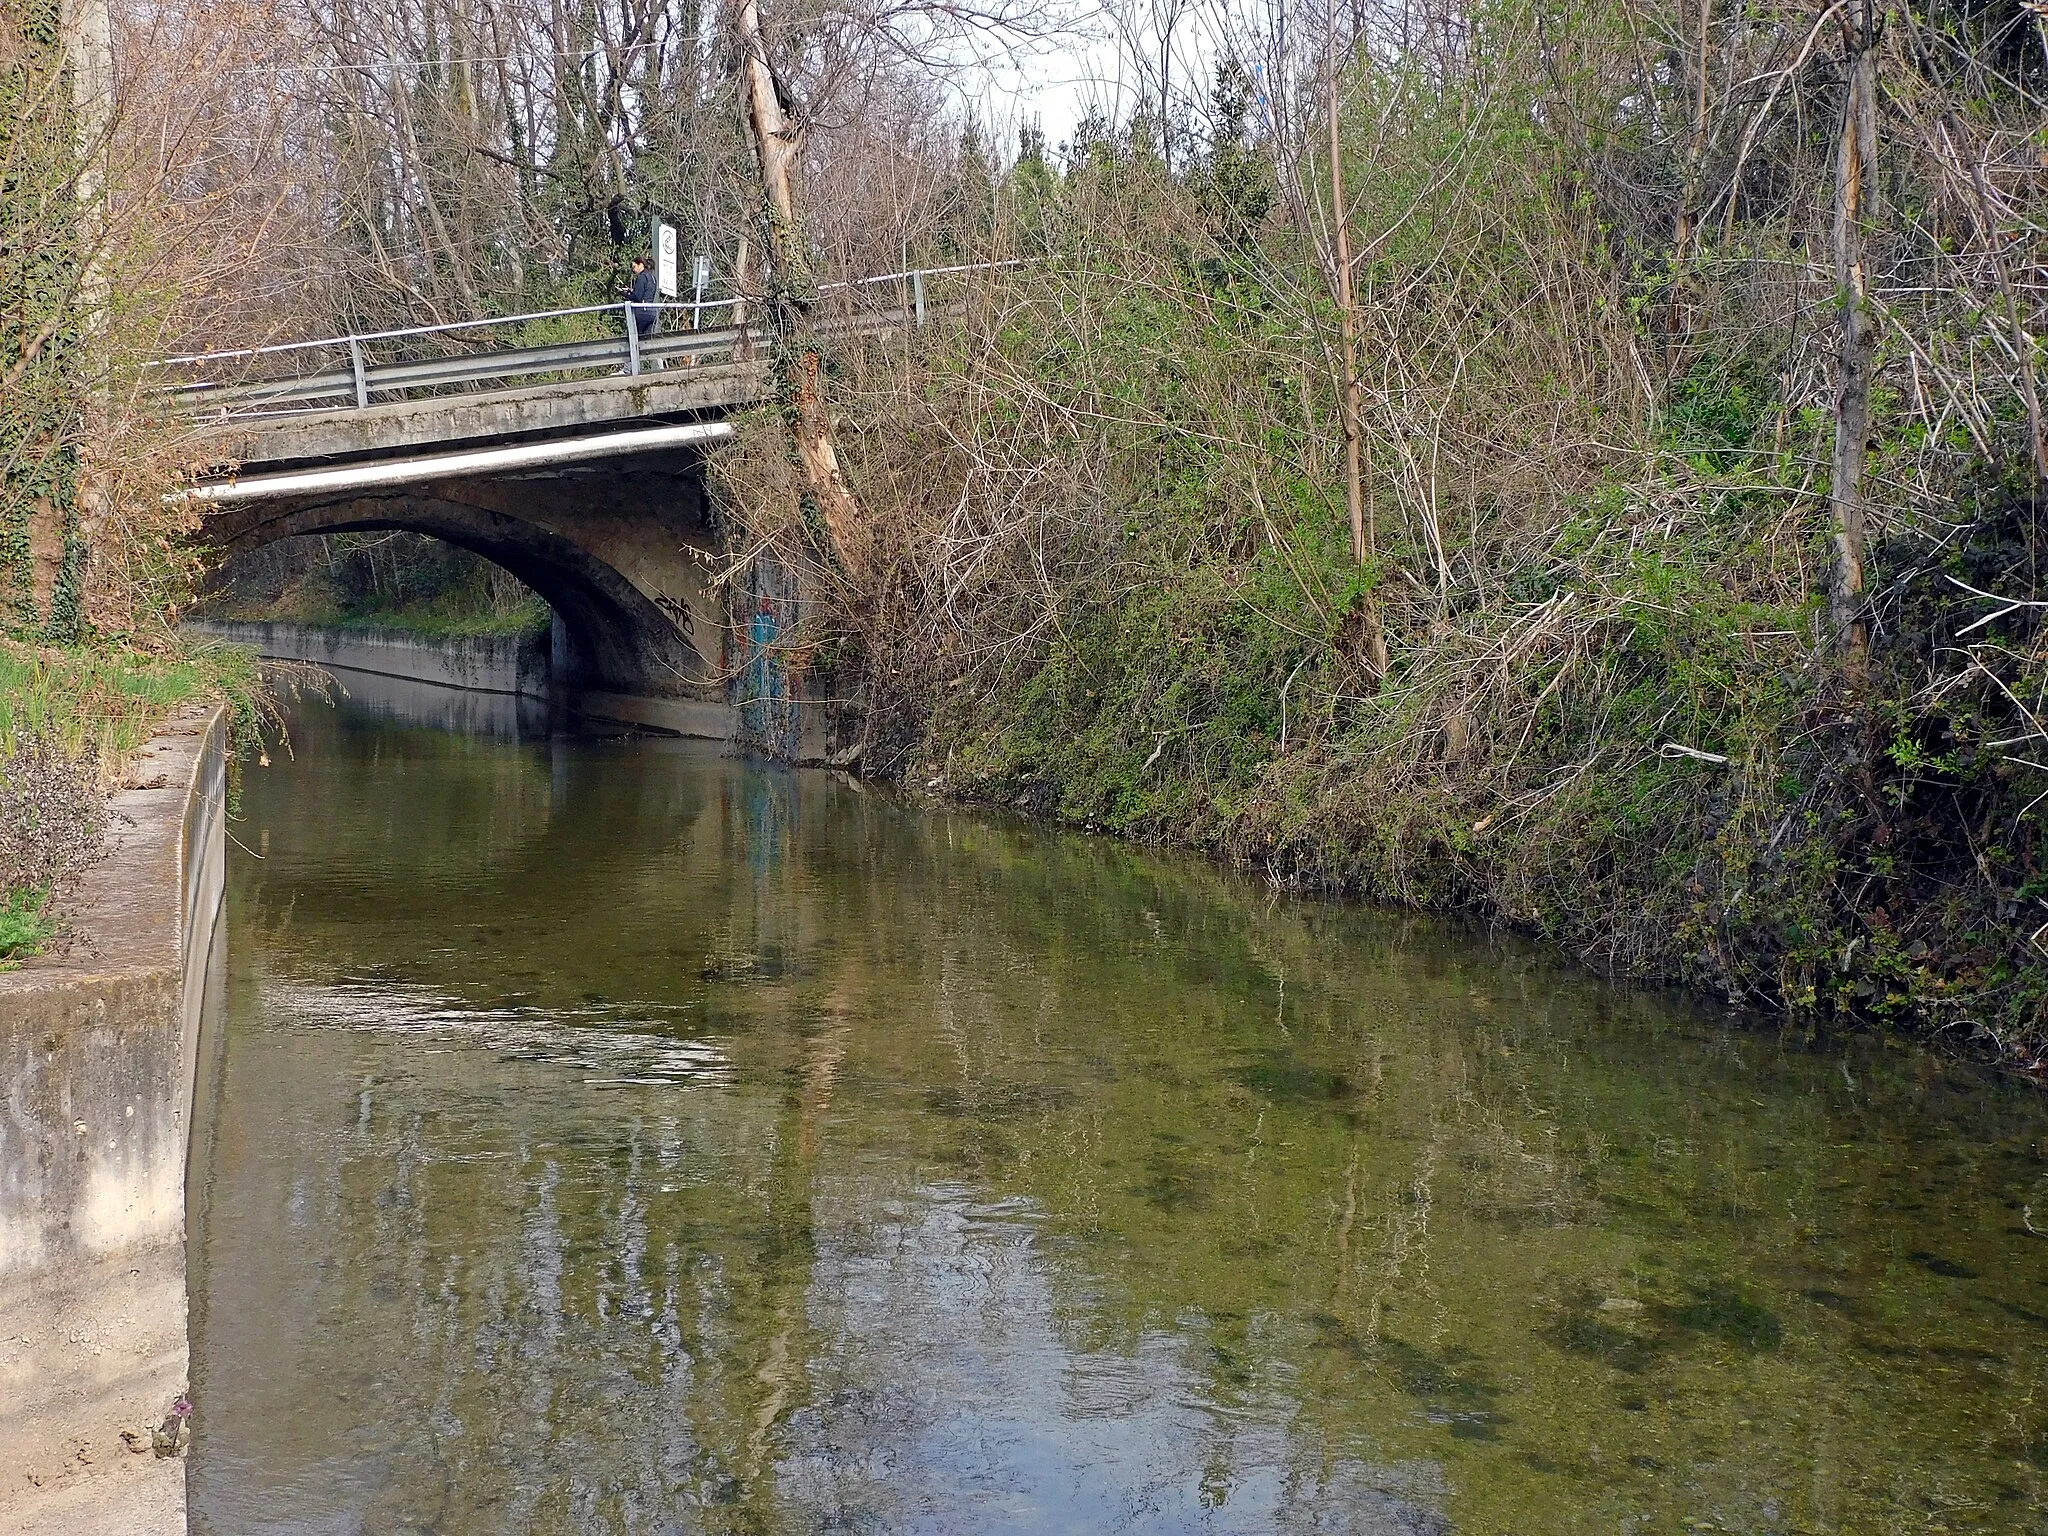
{"x": 104, "y": 701}
{"x": 447, "y": 616}
{"x": 445, "y": 620}
{"x": 26, "y": 925}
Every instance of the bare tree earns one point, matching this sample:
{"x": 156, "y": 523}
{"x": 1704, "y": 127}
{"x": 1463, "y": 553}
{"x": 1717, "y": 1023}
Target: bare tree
{"x": 1855, "y": 162}
{"x": 143, "y": 193}
{"x": 793, "y": 296}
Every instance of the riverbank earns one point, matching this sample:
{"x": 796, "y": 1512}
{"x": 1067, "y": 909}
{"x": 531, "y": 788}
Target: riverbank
{"x": 71, "y": 719}
{"x": 1821, "y": 862}
{"x": 376, "y": 585}
{"x": 100, "y": 1046}
{"x": 1569, "y": 552}
{"x": 104, "y": 701}
{"x": 522, "y": 667}
{"x": 1586, "y": 680}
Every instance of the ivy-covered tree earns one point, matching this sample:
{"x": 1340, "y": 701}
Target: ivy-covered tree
{"x": 42, "y": 551}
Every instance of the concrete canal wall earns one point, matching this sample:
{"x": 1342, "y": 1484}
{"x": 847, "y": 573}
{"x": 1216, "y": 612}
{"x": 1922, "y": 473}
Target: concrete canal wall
{"x": 487, "y": 663}
{"x": 524, "y": 666}
{"x": 99, "y": 1053}
{"x": 507, "y": 664}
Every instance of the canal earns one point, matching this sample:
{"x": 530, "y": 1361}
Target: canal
{"x": 617, "y": 1136}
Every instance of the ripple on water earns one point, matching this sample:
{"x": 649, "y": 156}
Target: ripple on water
{"x": 611, "y": 1045}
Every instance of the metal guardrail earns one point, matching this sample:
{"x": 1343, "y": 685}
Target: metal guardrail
{"x": 361, "y": 380}
{"x": 364, "y": 383}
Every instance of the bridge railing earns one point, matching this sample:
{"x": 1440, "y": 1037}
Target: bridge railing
{"x": 375, "y": 367}
{"x": 369, "y": 368}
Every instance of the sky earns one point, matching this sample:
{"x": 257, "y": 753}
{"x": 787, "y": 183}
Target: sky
{"x": 1089, "y": 65}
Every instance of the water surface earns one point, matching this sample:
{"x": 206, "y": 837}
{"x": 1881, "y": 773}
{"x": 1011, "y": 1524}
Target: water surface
{"x": 616, "y": 1136}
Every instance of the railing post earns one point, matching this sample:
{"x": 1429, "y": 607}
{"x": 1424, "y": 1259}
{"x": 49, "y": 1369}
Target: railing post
{"x": 632, "y": 343}
{"x": 917, "y": 287}
{"x": 355, "y": 366}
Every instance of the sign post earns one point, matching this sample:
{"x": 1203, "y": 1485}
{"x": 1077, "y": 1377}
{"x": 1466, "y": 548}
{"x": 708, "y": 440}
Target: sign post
{"x": 703, "y": 277}
{"x": 665, "y": 258}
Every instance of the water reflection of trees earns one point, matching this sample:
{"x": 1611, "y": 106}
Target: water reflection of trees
{"x": 1431, "y": 1201}
{"x": 1393, "y": 1217}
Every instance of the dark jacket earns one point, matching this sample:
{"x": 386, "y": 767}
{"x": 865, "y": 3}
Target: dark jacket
{"x": 644, "y": 293}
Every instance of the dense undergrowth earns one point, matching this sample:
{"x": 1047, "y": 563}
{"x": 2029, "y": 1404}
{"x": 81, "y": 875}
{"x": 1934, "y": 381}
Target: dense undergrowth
{"x": 1110, "y": 578}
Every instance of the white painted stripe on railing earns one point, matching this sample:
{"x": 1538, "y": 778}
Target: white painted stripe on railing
{"x": 445, "y": 466}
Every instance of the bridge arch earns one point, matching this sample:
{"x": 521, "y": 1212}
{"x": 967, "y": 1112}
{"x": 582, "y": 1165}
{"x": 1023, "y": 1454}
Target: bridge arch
{"x": 622, "y": 550}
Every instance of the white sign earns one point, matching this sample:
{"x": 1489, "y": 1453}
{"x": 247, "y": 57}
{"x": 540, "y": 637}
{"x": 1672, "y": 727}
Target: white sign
{"x": 665, "y": 258}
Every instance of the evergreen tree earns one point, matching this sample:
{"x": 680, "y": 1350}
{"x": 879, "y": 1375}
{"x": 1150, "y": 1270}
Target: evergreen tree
{"x": 1235, "y": 181}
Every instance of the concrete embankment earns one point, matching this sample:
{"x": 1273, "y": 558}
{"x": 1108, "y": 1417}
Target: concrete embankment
{"x": 485, "y": 663}
{"x": 99, "y": 1057}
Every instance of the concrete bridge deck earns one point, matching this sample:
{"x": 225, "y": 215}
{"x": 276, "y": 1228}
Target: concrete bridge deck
{"x": 562, "y": 407}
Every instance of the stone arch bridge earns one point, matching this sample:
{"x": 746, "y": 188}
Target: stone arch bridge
{"x": 576, "y": 465}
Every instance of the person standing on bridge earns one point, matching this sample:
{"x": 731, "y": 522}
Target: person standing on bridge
{"x": 644, "y": 295}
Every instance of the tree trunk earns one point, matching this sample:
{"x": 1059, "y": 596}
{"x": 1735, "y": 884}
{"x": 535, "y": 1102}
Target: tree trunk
{"x": 1680, "y": 319}
{"x": 1695, "y": 154}
{"x": 1364, "y": 537}
{"x": 792, "y": 294}
{"x": 1853, "y": 169}
{"x": 89, "y": 43}
{"x": 40, "y": 272}
{"x": 740, "y": 312}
